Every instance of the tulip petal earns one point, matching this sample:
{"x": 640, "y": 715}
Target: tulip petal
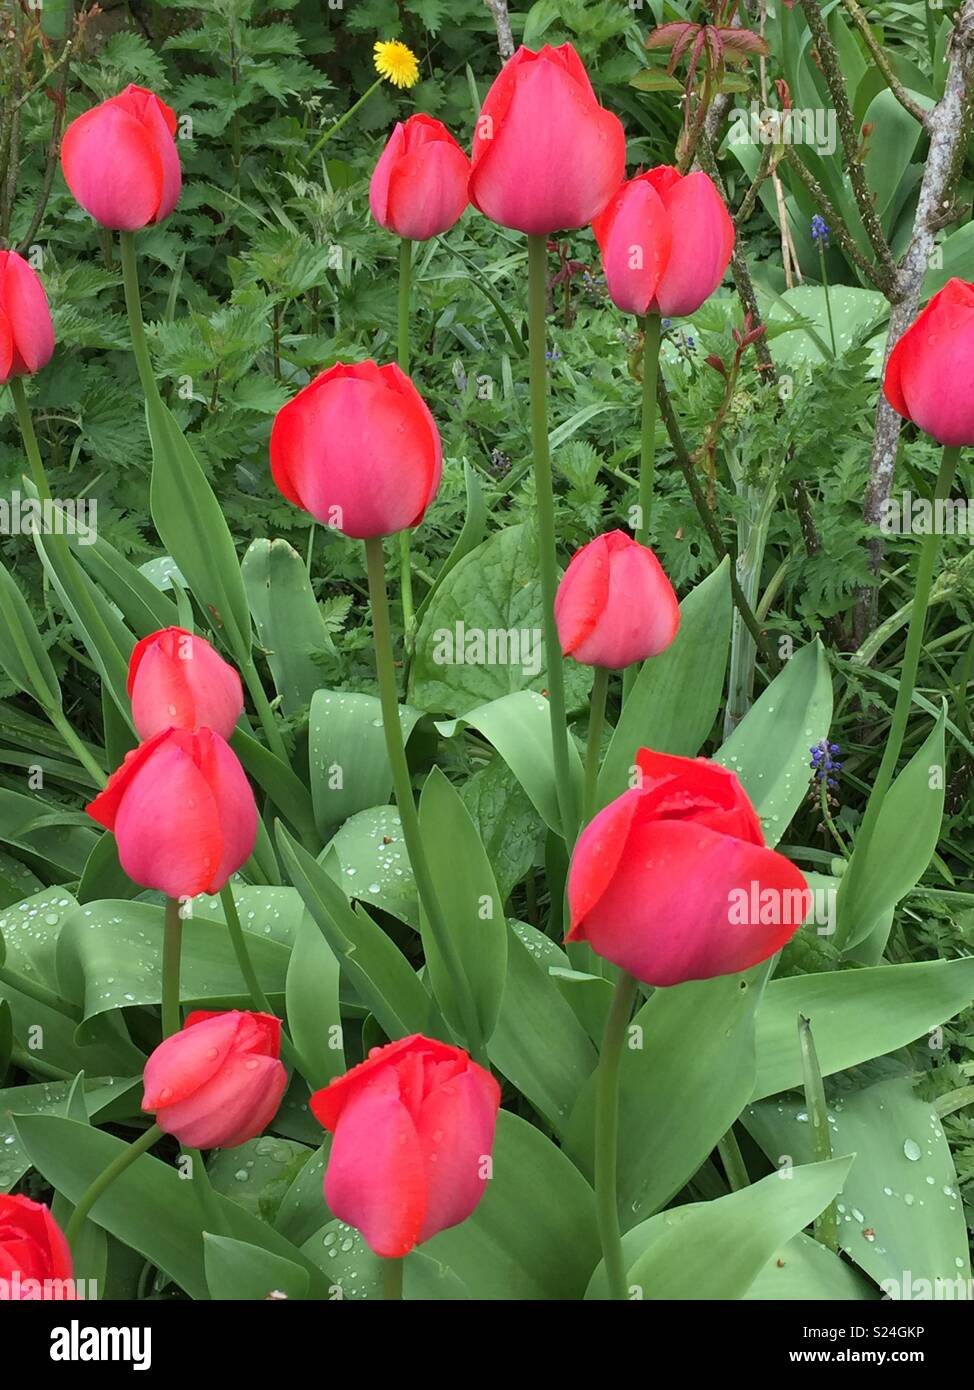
{"x": 582, "y": 594}
{"x": 6, "y": 348}
{"x": 113, "y": 168}
{"x": 428, "y": 190}
{"x": 634, "y": 235}
{"x": 703, "y": 239}
{"x": 632, "y": 629}
{"x": 931, "y": 367}
{"x": 597, "y": 856}
{"x": 328, "y": 1104}
{"x": 26, "y": 309}
{"x": 376, "y": 1177}
{"x": 456, "y": 1136}
{"x": 186, "y": 1060}
{"x": 381, "y": 174}
{"x": 235, "y": 1105}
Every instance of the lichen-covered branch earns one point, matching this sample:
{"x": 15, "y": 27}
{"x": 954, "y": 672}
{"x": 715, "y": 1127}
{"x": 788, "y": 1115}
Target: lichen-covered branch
{"x": 502, "y": 23}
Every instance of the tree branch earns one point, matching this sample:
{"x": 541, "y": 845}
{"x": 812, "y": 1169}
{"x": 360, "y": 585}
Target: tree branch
{"x": 502, "y": 23}
{"x": 884, "y": 65}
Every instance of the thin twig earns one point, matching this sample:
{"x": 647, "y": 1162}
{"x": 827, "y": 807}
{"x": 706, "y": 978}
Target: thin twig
{"x": 837, "y": 227}
{"x": 882, "y": 62}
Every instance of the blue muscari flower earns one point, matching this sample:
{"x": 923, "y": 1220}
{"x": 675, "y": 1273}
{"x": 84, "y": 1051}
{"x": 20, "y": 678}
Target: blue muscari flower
{"x": 824, "y": 762}
{"x": 820, "y": 231}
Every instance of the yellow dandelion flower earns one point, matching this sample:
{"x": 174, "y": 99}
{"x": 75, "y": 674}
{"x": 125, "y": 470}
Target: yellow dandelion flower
{"x": 397, "y": 63}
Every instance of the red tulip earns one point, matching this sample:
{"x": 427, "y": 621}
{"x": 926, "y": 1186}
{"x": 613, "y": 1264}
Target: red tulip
{"x": 182, "y": 811}
{"x": 120, "y": 161}
{"x": 666, "y": 240}
{"x": 546, "y": 156}
{"x": 177, "y": 681}
{"x": 359, "y": 450}
{"x": 615, "y": 605}
{"x": 35, "y": 1261}
{"x": 673, "y": 882}
{"x": 414, "y": 1128}
{"x": 931, "y": 369}
{"x": 419, "y": 186}
{"x": 26, "y": 334}
{"x": 217, "y": 1082}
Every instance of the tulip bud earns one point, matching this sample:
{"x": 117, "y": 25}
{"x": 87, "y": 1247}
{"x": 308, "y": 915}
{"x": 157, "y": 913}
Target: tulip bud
{"x": 419, "y": 186}
{"x": 26, "y": 334}
{"x": 120, "y": 160}
{"x": 546, "y": 156}
{"x": 614, "y": 605}
{"x": 928, "y": 375}
{"x": 177, "y": 681}
{"x": 414, "y": 1129}
{"x": 359, "y": 450}
{"x": 666, "y": 240}
{"x": 182, "y": 812}
{"x": 35, "y": 1261}
{"x": 217, "y": 1082}
{"x": 672, "y": 881}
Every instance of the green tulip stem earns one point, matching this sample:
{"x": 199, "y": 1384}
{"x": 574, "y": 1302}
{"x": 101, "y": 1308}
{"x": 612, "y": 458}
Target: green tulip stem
{"x": 596, "y": 723}
{"x": 171, "y": 949}
{"x": 29, "y": 437}
{"x": 647, "y": 454}
{"x": 105, "y": 1179}
{"x": 255, "y": 688}
{"x": 133, "y": 306}
{"x": 929, "y": 549}
{"x": 607, "y": 1135}
{"x": 405, "y": 537}
{"x": 63, "y": 726}
{"x": 409, "y": 819}
{"x": 392, "y": 1271}
{"x": 545, "y": 501}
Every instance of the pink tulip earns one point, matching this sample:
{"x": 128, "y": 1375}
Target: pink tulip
{"x": 120, "y": 160}
{"x": 419, "y": 186}
{"x": 182, "y": 812}
{"x": 177, "y": 681}
{"x": 35, "y": 1261}
{"x": 931, "y": 369}
{"x": 359, "y": 450}
{"x": 26, "y": 334}
{"x": 217, "y": 1082}
{"x": 546, "y": 156}
{"x": 615, "y": 605}
{"x": 414, "y": 1129}
{"x": 666, "y": 240}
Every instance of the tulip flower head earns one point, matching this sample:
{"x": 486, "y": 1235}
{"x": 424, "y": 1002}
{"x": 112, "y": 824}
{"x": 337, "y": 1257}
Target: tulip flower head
{"x": 546, "y": 156}
{"x": 413, "y": 1131}
{"x": 120, "y": 160}
{"x": 177, "y": 681}
{"x": 666, "y": 240}
{"x": 615, "y": 605}
{"x": 673, "y": 881}
{"x": 26, "y": 334}
{"x": 35, "y": 1260}
{"x": 217, "y": 1082}
{"x": 359, "y": 450}
{"x": 419, "y": 186}
{"x": 182, "y": 812}
{"x": 931, "y": 369}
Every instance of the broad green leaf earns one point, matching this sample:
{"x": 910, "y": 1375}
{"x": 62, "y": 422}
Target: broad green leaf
{"x": 471, "y": 534}
{"x": 690, "y": 1059}
{"x": 142, "y": 604}
{"x": 313, "y": 1014}
{"x": 299, "y": 1213}
{"x": 60, "y": 849}
{"x": 350, "y": 769}
{"x": 235, "y": 1270}
{"x": 508, "y": 825}
{"x": 769, "y": 748}
{"x": 519, "y": 727}
{"x": 900, "y": 1213}
{"x": 23, "y": 655}
{"x": 803, "y": 1270}
{"x": 472, "y": 909}
{"x": 282, "y": 785}
{"x": 902, "y": 845}
{"x": 289, "y": 623}
{"x": 257, "y": 1175}
{"x": 372, "y": 865}
{"x": 674, "y": 702}
{"x": 855, "y": 1014}
{"x": 715, "y": 1250}
{"x": 481, "y": 636}
{"x": 48, "y": 1098}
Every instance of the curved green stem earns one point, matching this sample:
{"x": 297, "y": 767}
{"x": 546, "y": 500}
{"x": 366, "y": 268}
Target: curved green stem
{"x": 537, "y": 288}
{"x": 733, "y": 1161}
{"x": 272, "y": 732}
{"x": 171, "y": 950}
{"x": 336, "y": 127}
{"x": 31, "y": 448}
{"x": 386, "y": 671}
{"x": 405, "y": 542}
{"x": 105, "y": 1180}
{"x": 33, "y": 989}
{"x": 904, "y": 695}
{"x": 63, "y": 726}
{"x": 647, "y": 453}
{"x": 392, "y": 1271}
{"x": 828, "y": 301}
{"x": 607, "y": 1135}
{"x": 596, "y": 723}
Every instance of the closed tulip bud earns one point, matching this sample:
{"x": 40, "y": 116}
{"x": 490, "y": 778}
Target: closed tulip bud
{"x": 546, "y": 156}
{"x": 359, "y": 450}
{"x": 35, "y": 1261}
{"x": 120, "y": 160}
{"x": 26, "y": 334}
{"x": 419, "y": 186}
{"x": 182, "y": 812}
{"x": 666, "y": 240}
{"x": 615, "y": 605}
{"x": 177, "y": 681}
{"x": 217, "y": 1082}
{"x": 930, "y": 370}
{"x": 672, "y": 881}
{"x": 413, "y": 1131}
